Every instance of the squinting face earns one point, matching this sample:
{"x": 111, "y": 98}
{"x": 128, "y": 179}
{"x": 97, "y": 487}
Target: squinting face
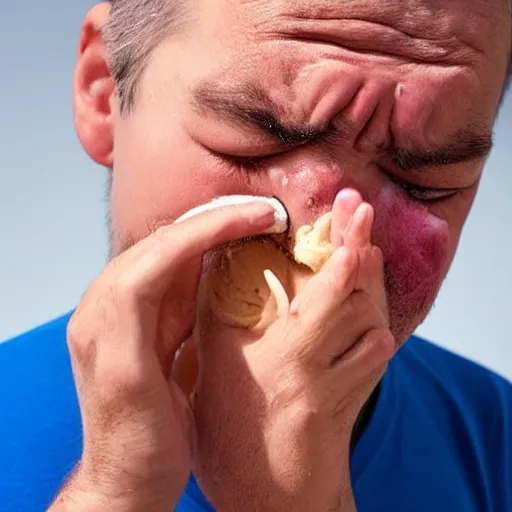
{"x": 299, "y": 99}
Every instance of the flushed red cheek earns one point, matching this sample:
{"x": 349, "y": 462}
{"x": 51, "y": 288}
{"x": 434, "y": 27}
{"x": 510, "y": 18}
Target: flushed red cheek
{"x": 414, "y": 243}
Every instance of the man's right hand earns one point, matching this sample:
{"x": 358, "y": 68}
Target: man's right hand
{"x": 138, "y": 431}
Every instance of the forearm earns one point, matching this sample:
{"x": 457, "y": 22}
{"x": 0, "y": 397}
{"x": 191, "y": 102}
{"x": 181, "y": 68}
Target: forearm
{"x": 74, "y": 497}
{"x": 73, "y": 501}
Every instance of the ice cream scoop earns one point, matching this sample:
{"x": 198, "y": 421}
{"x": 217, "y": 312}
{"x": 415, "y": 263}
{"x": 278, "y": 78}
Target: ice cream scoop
{"x": 237, "y": 289}
{"x": 313, "y": 243}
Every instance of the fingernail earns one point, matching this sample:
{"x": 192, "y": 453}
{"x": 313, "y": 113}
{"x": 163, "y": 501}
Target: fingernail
{"x": 348, "y": 194}
{"x": 265, "y": 209}
{"x": 280, "y": 224}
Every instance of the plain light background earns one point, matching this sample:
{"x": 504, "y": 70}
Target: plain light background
{"x": 53, "y": 205}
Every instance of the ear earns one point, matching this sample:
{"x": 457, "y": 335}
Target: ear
{"x": 94, "y": 92}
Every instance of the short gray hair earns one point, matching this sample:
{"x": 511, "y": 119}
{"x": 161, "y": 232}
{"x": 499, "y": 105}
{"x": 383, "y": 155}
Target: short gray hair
{"x": 133, "y": 30}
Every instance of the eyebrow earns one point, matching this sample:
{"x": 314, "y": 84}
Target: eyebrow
{"x": 248, "y": 106}
{"x": 469, "y": 144}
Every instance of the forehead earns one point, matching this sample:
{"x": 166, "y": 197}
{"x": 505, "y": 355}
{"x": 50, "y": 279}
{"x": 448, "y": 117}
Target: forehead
{"x": 297, "y": 51}
{"x": 468, "y": 22}
{"x": 293, "y": 48}
{"x": 415, "y": 15}
{"x": 449, "y": 25}
{"x": 443, "y": 32}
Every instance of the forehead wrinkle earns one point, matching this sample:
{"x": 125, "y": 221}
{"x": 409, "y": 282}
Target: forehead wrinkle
{"x": 405, "y": 11}
{"x": 454, "y": 22}
{"x": 247, "y": 104}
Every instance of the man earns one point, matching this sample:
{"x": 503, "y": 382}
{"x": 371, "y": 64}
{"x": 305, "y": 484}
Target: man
{"x": 382, "y": 111}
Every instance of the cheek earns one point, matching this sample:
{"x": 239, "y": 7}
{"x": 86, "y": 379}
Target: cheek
{"x": 159, "y": 173}
{"x": 415, "y": 244}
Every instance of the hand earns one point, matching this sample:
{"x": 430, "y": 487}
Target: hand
{"x": 138, "y": 429}
{"x": 275, "y": 414}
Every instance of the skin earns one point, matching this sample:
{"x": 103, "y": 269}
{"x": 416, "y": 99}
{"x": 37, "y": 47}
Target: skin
{"x": 299, "y": 386}
{"x": 372, "y": 98}
{"x": 379, "y": 79}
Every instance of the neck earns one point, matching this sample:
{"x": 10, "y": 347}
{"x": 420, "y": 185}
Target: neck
{"x": 364, "y": 417}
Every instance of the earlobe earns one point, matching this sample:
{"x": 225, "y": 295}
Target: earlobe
{"x": 94, "y": 89}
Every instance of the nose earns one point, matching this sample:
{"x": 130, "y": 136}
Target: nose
{"x": 307, "y": 183}
{"x": 367, "y": 119}
{"x": 307, "y": 186}
{"x": 307, "y": 180}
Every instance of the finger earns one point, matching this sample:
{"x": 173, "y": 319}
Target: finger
{"x": 122, "y": 305}
{"x": 281, "y": 214}
{"x": 358, "y": 315}
{"x": 326, "y": 341}
{"x": 370, "y": 277}
{"x": 378, "y": 286}
{"x": 328, "y": 289}
{"x": 358, "y": 231}
{"x": 176, "y": 324}
{"x": 357, "y": 373}
{"x": 278, "y": 293}
{"x": 185, "y": 367}
{"x": 101, "y": 341}
{"x": 150, "y": 268}
{"x": 345, "y": 205}
{"x": 373, "y": 350}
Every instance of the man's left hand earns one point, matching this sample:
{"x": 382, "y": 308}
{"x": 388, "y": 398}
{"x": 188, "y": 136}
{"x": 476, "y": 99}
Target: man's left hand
{"x": 276, "y": 414}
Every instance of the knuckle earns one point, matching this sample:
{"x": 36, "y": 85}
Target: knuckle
{"x": 385, "y": 341}
{"x": 381, "y": 343}
{"x": 346, "y": 406}
{"x": 378, "y": 256}
{"x": 347, "y": 258}
{"x": 112, "y": 286}
{"x": 161, "y": 240}
{"x": 344, "y": 276}
{"x": 359, "y": 305}
{"x": 74, "y": 332}
{"x": 306, "y": 352}
{"x": 161, "y": 233}
{"x": 121, "y": 379}
{"x": 81, "y": 340}
{"x": 119, "y": 294}
{"x": 165, "y": 244}
{"x": 74, "y": 329}
{"x": 362, "y": 305}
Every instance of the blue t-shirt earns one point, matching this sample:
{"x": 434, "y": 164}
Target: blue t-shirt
{"x": 440, "y": 438}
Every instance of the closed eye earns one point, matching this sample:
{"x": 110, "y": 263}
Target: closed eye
{"x": 421, "y": 192}
{"x": 246, "y": 162}
{"x": 427, "y": 194}
{"x": 417, "y": 192}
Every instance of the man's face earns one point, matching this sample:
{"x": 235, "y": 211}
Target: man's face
{"x": 299, "y": 99}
